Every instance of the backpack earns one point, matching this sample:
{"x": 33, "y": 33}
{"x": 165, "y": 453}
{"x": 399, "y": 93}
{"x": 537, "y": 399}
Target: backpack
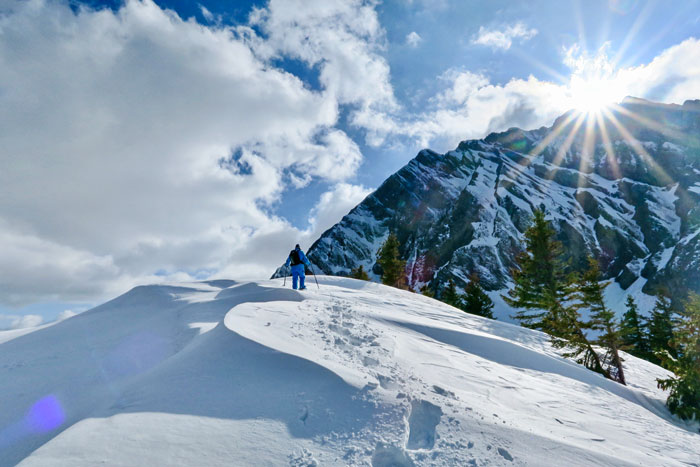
{"x": 296, "y": 259}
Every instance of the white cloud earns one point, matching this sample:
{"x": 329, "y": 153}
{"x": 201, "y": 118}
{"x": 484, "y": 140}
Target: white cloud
{"x": 333, "y": 205}
{"x": 461, "y": 85}
{"x": 26, "y": 321}
{"x": 343, "y": 39}
{"x": 503, "y": 38}
{"x": 114, "y": 126}
{"x": 208, "y": 15}
{"x": 413, "y": 39}
{"x": 65, "y": 314}
{"x": 673, "y": 76}
{"x": 472, "y": 107}
{"x": 272, "y": 244}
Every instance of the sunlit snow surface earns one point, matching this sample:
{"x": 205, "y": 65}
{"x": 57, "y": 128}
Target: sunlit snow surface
{"x": 353, "y": 373}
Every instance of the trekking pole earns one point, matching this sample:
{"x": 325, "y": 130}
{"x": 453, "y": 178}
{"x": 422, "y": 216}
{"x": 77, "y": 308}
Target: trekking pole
{"x": 314, "y": 273}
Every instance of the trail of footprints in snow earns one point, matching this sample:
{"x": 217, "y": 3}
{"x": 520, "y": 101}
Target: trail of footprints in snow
{"x": 361, "y": 344}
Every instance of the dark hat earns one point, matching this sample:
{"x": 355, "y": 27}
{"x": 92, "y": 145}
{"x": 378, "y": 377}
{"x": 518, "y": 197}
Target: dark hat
{"x": 297, "y": 247}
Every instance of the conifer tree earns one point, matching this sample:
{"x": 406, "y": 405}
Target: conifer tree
{"x": 540, "y": 283}
{"x": 475, "y": 300}
{"x": 660, "y": 329}
{"x": 632, "y": 331}
{"x": 450, "y": 296}
{"x": 427, "y": 291}
{"x": 393, "y": 268}
{"x": 602, "y": 319}
{"x": 569, "y": 334}
{"x": 359, "y": 273}
{"x": 684, "y": 397}
{"x": 546, "y": 298}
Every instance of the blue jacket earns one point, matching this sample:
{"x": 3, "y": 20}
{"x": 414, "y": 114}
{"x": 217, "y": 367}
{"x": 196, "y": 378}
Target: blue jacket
{"x": 302, "y": 257}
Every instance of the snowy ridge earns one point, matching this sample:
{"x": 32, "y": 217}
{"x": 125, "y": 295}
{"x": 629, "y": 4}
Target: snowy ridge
{"x": 635, "y": 210}
{"x": 353, "y": 373}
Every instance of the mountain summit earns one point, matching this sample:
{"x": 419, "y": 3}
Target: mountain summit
{"x": 622, "y": 185}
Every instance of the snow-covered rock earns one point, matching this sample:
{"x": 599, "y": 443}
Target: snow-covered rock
{"x": 350, "y": 373}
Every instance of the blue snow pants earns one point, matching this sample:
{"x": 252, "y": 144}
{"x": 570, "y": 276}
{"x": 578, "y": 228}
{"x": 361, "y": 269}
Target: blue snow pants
{"x": 298, "y": 275}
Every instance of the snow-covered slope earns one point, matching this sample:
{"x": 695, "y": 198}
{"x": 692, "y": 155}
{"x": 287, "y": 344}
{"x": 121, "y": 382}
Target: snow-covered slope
{"x": 353, "y": 373}
{"x": 623, "y": 187}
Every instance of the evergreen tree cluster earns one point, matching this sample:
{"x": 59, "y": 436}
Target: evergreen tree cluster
{"x": 549, "y": 300}
{"x": 474, "y": 300}
{"x": 671, "y": 340}
{"x": 649, "y": 338}
{"x": 684, "y": 360}
{"x": 359, "y": 273}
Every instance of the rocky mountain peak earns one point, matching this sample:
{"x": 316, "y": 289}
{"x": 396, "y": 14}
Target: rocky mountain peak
{"x": 622, "y": 185}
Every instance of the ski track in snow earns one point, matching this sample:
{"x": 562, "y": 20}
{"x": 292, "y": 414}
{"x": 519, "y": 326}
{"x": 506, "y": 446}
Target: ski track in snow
{"x": 353, "y": 373}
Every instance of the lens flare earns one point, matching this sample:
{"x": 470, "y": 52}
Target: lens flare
{"x": 46, "y": 415}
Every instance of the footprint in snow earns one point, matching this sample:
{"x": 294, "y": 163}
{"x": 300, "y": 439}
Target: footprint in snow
{"x": 304, "y": 415}
{"x": 443, "y": 392}
{"x": 505, "y": 454}
{"x": 422, "y": 422}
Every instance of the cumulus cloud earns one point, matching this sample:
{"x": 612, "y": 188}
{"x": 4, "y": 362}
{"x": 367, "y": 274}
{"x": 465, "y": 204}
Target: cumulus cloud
{"x": 65, "y": 314}
{"x": 332, "y": 206}
{"x": 330, "y": 209}
{"x": 471, "y": 107}
{"x": 672, "y": 76}
{"x": 460, "y": 85}
{"x": 26, "y": 321}
{"x": 343, "y": 38}
{"x": 136, "y": 142}
{"x": 503, "y": 38}
{"x": 413, "y": 39}
{"x": 208, "y": 15}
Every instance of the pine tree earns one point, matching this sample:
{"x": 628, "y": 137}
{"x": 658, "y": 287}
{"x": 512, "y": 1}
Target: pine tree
{"x": 548, "y": 300}
{"x": 602, "y": 319}
{"x": 427, "y": 291}
{"x": 540, "y": 283}
{"x": 393, "y": 268}
{"x": 684, "y": 397}
{"x": 660, "y": 329}
{"x": 475, "y": 300}
{"x": 632, "y": 331}
{"x": 450, "y": 296}
{"x": 569, "y": 333}
{"x": 359, "y": 273}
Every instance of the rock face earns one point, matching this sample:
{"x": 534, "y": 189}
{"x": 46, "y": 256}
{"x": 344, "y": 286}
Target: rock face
{"x": 622, "y": 186}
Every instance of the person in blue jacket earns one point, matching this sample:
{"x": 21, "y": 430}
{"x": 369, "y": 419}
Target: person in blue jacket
{"x": 297, "y": 259}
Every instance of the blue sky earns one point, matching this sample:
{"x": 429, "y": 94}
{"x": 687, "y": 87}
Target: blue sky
{"x": 175, "y": 140}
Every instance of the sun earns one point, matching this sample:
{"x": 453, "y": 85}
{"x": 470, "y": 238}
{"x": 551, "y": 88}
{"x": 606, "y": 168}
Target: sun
{"x": 595, "y": 83}
{"x": 593, "y": 94}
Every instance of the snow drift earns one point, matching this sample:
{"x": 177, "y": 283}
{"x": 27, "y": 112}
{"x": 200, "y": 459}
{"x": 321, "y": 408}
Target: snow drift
{"x": 353, "y": 373}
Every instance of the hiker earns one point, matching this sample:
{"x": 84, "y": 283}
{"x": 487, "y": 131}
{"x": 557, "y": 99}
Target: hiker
{"x": 297, "y": 259}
